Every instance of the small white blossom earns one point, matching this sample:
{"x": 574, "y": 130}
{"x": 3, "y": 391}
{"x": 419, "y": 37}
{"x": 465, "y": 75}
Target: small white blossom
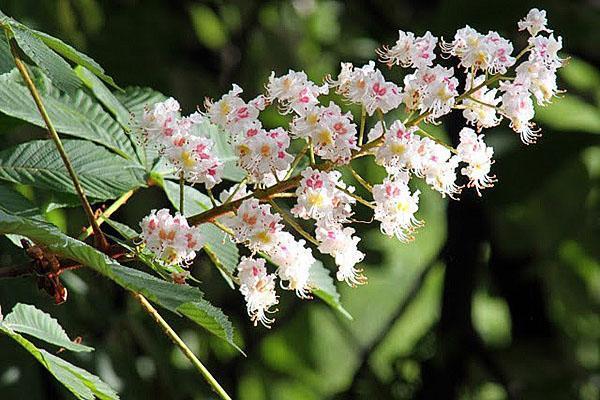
{"x": 398, "y": 147}
{"x": 170, "y": 238}
{"x": 340, "y": 243}
{"x": 255, "y": 226}
{"x": 258, "y": 288}
{"x": 395, "y": 207}
{"x": 545, "y": 50}
{"x": 535, "y": 22}
{"x": 473, "y": 151}
{"x": 160, "y": 122}
{"x": 480, "y": 106}
{"x": 262, "y": 153}
{"x": 294, "y": 91}
{"x": 294, "y": 260}
{"x": 319, "y": 197}
{"x": 517, "y": 106}
{"x": 541, "y": 80}
{"x": 410, "y": 52}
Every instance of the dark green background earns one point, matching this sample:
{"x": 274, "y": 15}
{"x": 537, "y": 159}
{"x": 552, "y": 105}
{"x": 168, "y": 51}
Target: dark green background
{"x": 497, "y": 298}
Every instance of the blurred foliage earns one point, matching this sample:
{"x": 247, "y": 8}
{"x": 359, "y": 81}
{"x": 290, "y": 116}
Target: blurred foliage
{"x": 520, "y": 321}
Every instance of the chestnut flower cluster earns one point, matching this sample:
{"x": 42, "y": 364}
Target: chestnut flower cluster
{"x": 489, "y": 83}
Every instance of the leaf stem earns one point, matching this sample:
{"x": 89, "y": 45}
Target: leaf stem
{"x": 181, "y": 193}
{"x": 171, "y": 334}
{"x": 99, "y": 237}
{"x": 107, "y": 213}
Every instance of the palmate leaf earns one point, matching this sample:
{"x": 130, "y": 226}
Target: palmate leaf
{"x": 181, "y": 299}
{"x": 27, "y": 319}
{"x": 75, "y": 114}
{"x": 15, "y": 203}
{"x": 324, "y": 288}
{"x": 103, "y": 175}
{"x": 80, "y": 382}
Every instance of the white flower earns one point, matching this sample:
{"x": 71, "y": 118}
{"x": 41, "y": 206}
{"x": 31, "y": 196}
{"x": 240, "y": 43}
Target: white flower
{"x": 333, "y": 133}
{"x": 262, "y": 153}
{"x": 541, "y": 80}
{"x": 367, "y": 86}
{"x": 535, "y": 22}
{"x": 294, "y": 260}
{"x": 489, "y": 52}
{"x": 255, "y": 226}
{"x": 258, "y": 289}
{"x": 160, "y": 122}
{"x": 473, "y": 151}
{"x": 398, "y": 146}
{"x": 319, "y": 197}
{"x": 436, "y": 163}
{"x": 170, "y": 238}
{"x": 545, "y": 50}
{"x": 410, "y": 52}
{"x": 338, "y": 242}
{"x": 193, "y": 157}
{"x": 294, "y": 91}
{"x": 518, "y": 107}
{"x": 232, "y": 113}
{"x": 395, "y": 207}
{"x": 438, "y": 95}
{"x": 476, "y": 112}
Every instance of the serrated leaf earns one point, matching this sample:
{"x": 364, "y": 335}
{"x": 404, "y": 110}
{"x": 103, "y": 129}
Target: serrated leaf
{"x": 27, "y": 319}
{"x": 166, "y": 294}
{"x": 125, "y": 231}
{"x": 57, "y": 69}
{"x": 222, "y": 251}
{"x": 15, "y": 203}
{"x": 80, "y": 382}
{"x": 324, "y": 288}
{"x": 103, "y": 175}
{"x": 75, "y": 56}
{"x": 75, "y": 114}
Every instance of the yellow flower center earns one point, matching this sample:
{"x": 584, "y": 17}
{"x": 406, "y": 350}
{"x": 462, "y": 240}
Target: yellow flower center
{"x": 315, "y": 199}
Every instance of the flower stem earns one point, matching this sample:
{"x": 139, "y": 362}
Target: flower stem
{"x": 171, "y": 334}
{"x": 181, "y": 193}
{"x": 212, "y": 197}
{"x": 296, "y": 161}
{"x": 236, "y": 190}
{"x": 291, "y": 222}
{"x": 355, "y": 196}
{"x": 311, "y": 152}
{"x": 360, "y": 179}
{"x": 363, "y": 120}
{"x": 438, "y": 141}
{"x": 98, "y": 235}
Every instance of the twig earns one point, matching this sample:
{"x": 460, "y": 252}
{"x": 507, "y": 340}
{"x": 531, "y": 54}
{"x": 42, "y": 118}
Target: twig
{"x": 98, "y": 235}
{"x": 182, "y": 346}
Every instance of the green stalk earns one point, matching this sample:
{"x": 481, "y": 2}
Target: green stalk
{"x": 363, "y": 120}
{"x": 107, "y": 213}
{"x": 291, "y": 222}
{"x": 181, "y": 192}
{"x": 87, "y": 208}
{"x": 171, "y": 334}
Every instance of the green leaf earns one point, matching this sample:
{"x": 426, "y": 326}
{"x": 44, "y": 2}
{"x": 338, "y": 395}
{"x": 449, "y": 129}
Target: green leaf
{"x": 104, "y": 95}
{"x": 27, "y": 319}
{"x": 222, "y": 251}
{"x": 81, "y": 383}
{"x": 181, "y": 299}
{"x": 570, "y": 113}
{"x": 59, "y": 71}
{"x": 103, "y": 174}
{"x": 75, "y": 114}
{"x": 6, "y": 59}
{"x": 324, "y": 288}
{"x": 15, "y": 203}
{"x": 75, "y": 56}
{"x": 580, "y": 75}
